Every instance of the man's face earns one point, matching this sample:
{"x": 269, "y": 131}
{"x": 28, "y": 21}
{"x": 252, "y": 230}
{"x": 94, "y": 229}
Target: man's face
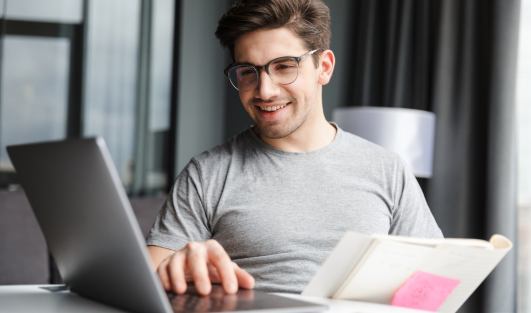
{"x": 295, "y": 100}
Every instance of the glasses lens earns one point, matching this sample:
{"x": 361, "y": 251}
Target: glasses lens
{"x": 244, "y": 78}
{"x": 284, "y": 71}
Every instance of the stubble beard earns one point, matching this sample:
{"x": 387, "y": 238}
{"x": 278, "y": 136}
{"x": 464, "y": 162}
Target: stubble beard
{"x": 278, "y": 130}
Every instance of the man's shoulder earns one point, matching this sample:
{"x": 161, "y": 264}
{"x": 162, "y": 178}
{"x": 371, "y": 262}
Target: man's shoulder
{"x": 224, "y": 153}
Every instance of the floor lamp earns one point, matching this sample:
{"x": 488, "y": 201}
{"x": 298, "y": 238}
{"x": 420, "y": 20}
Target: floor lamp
{"x": 408, "y": 132}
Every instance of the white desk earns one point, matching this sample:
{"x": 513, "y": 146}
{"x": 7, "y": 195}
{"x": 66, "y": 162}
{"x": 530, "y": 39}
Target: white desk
{"x": 30, "y": 298}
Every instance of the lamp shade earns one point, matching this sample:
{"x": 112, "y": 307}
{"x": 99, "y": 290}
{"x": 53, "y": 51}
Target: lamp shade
{"x": 408, "y": 132}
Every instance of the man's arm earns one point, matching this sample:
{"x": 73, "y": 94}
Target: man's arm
{"x": 182, "y": 227}
{"x": 201, "y": 262}
{"x": 411, "y": 216}
{"x": 158, "y": 254}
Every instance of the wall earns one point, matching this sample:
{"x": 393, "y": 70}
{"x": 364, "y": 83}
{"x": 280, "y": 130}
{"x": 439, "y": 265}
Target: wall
{"x": 202, "y": 85}
{"x": 336, "y": 94}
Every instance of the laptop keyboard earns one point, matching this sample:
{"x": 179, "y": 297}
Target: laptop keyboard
{"x": 216, "y": 301}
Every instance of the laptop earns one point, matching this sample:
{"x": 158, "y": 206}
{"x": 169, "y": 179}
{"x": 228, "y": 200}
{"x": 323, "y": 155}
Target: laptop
{"x": 86, "y": 218}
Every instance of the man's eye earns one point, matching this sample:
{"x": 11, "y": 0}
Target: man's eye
{"x": 283, "y": 67}
{"x": 247, "y": 73}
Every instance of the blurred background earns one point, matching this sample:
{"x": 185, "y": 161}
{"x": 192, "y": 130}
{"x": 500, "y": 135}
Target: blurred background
{"x": 147, "y": 76}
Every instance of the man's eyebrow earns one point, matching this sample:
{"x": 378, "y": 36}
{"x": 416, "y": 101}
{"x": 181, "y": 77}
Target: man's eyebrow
{"x": 249, "y": 63}
{"x": 240, "y": 63}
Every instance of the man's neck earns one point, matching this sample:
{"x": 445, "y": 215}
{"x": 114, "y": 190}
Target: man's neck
{"x": 308, "y": 137}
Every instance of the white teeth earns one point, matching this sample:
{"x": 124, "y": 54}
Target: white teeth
{"x": 270, "y": 109}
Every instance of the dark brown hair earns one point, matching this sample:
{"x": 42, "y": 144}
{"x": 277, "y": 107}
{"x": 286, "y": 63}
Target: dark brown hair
{"x": 309, "y": 19}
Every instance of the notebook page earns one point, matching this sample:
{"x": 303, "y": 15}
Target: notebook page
{"x": 431, "y": 242}
{"x": 468, "y": 264}
{"x": 387, "y": 267}
{"x": 341, "y": 261}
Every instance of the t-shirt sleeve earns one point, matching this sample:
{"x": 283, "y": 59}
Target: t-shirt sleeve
{"x": 411, "y": 215}
{"x": 182, "y": 218}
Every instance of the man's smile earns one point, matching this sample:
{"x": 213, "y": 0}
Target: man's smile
{"x": 271, "y": 111}
{"x": 272, "y": 108}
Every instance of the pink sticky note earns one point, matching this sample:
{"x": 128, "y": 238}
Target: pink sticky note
{"x": 424, "y": 291}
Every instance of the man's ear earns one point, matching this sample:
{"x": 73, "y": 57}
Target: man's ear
{"x": 327, "y": 62}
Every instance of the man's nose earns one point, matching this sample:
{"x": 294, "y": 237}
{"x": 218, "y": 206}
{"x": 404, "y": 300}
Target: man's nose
{"x": 266, "y": 87}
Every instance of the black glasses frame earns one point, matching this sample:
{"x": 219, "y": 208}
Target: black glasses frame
{"x": 266, "y": 68}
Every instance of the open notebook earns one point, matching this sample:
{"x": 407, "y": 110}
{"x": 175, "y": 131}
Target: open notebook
{"x": 373, "y": 268}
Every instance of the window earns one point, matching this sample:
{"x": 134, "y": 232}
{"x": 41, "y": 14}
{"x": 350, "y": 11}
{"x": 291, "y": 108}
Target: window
{"x": 110, "y": 100}
{"x": 523, "y": 105}
{"x": 74, "y": 68}
{"x": 39, "y": 82}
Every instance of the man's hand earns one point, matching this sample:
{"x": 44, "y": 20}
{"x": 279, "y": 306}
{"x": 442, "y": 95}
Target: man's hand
{"x": 201, "y": 262}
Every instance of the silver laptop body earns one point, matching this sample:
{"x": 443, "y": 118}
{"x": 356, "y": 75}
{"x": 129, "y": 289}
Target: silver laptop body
{"x": 90, "y": 228}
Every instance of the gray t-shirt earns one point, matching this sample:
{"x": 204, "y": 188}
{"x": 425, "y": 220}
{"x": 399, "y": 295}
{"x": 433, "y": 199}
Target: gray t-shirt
{"x": 279, "y": 214}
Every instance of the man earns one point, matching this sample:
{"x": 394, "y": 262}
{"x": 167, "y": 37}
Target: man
{"x": 271, "y": 203}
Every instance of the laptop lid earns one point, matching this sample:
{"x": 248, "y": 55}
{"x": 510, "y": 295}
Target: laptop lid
{"x": 89, "y": 225}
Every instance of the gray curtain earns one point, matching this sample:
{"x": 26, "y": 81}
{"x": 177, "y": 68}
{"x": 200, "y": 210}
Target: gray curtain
{"x": 456, "y": 58}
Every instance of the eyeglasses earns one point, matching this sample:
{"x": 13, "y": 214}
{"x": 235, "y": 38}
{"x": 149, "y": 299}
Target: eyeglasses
{"x": 283, "y": 71}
